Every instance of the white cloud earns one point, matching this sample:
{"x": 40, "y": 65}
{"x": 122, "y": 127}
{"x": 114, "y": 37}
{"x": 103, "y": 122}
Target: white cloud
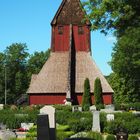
{"x": 111, "y": 39}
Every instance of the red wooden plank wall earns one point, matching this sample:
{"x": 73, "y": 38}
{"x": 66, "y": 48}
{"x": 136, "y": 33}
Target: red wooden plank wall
{"x": 107, "y": 99}
{"x": 61, "y": 41}
{"x": 82, "y": 41}
{"x": 59, "y": 99}
{"x": 47, "y": 99}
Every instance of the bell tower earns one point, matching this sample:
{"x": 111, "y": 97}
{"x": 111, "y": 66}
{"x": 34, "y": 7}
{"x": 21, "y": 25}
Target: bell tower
{"x": 70, "y": 63}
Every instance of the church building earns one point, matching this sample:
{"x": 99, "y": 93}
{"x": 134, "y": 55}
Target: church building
{"x": 70, "y": 63}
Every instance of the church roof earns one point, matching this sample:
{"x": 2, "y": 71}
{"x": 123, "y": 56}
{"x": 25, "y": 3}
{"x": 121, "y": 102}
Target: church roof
{"x": 70, "y": 12}
{"x": 53, "y": 77}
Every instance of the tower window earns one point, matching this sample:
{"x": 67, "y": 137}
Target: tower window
{"x": 80, "y": 30}
{"x": 60, "y": 30}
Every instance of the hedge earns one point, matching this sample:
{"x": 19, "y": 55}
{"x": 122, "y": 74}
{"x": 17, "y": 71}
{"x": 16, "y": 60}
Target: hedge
{"x": 126, "y": 120}
{"x": 128, "y": 107}
{"x": 13, "y": 118}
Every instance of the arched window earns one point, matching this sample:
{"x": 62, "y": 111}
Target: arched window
{"x": 80, "y": 30}
{"x": 60, "y": 30}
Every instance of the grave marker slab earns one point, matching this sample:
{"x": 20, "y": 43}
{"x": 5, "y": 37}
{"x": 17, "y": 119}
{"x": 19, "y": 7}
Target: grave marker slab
{"x": 43, "y": 131}
{"x": 1, "y": 106}
{"x": 96, "y": 121}
{"x": 110, "y": 117}
{"x": 50, "y": 111}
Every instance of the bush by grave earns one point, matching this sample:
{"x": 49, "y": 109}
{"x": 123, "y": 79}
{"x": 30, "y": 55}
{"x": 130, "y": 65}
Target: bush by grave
{"x": 110, "y": 137}
{"x": 98, "y": 99}
{"x": 86, "y": 98}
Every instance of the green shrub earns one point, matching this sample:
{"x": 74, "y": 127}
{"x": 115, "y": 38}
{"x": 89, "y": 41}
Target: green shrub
{"x": 103, "y": 121}
{"x": 22, "y": 139}
{"x": 62, "y": 127}
{"x": 74, "y": 118}
{"x": 80, "y": 121}
{"x": 133, "y": 137}
{"x": 110, "y": 137}
{"x": 98, "y": 99}
{"x": 95, "y": 135}
{"x": 100, "y": 106}
{"x": 62, "y": 116}
{"x": 63, "y": 132}
{"x": 12, "y": 120}
{"x": 125, "y": 120}
{"x": 63, "y": 107}
{"x": 127, "y": 107}
{"x": 75, "y": 125}
{"x": 86, "y": 98}
{"x": 31, "y": 134}
{"x": 61, "y": 135}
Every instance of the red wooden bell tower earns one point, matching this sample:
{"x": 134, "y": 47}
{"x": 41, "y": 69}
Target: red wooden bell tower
{"x": 70, "y": 63}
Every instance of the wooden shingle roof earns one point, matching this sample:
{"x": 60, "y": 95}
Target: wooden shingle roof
{"x": 70, "y": 12}
{"x": 53, "y": 77}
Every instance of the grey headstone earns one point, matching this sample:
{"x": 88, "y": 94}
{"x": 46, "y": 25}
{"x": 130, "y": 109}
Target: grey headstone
{"x": 110, "y": 117}
{"x": 2, "y": 126}
{"x": 7, "y": 135}
{"x": 50, "y": 111}
{"x": 26, "y": 126}
{"x": 80, "y": 108}
{"x": 93, "y": 108}
{"x": 1, "y": 106}
{"x": 96, "y": 121}
{"x": 76, "y": 108}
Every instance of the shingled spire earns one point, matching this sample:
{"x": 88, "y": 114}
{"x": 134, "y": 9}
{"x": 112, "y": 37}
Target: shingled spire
{"x": 70, "y": 12}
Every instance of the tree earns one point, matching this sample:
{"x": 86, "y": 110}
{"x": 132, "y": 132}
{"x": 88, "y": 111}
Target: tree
{"x": 122, "y": 17}
{"x": 113, "y": 15}
{"x": 19, "y": 67}
{"x": 119, "y": 88}
{"x": 16, "y": 73}
{"x": 126, "y": 63}
{"x": 98, "y": 99}
{"x": 2, "y": 80}
{"x": 86, "y": 99}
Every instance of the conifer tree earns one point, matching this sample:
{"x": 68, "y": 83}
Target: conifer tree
{"x": 98, "y": 99}
{"x": 86, "y": 99}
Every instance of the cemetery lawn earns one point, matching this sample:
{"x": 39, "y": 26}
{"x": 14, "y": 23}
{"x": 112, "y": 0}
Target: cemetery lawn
{"x": 69, "y": 123}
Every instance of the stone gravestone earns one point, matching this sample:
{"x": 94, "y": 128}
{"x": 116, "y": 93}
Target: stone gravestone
{"x": 2, "y": 126}
{"x": 110, "y": 117}
{"x": 96, "y": 121}
{"x": 43, "y": 131}
{"x": 26, "y": 126}
{"x": 122, "y": 134}
{"x": 1, "y": 106}
{"x": 7, "y": 135}
{"x": 92, "y": 108}
{"x": 50, "y": 111}
{"x": 76, "y": 108}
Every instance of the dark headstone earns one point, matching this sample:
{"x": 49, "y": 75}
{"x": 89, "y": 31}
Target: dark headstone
{"x": 43, "y": 131}
{"x": 78, "y": 139}
{"x": 122, "y": 134}
{"x": 50, "y": 111}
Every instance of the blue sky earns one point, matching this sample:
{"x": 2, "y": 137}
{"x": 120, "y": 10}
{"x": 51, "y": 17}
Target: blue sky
{"x": 28, "y": 21}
